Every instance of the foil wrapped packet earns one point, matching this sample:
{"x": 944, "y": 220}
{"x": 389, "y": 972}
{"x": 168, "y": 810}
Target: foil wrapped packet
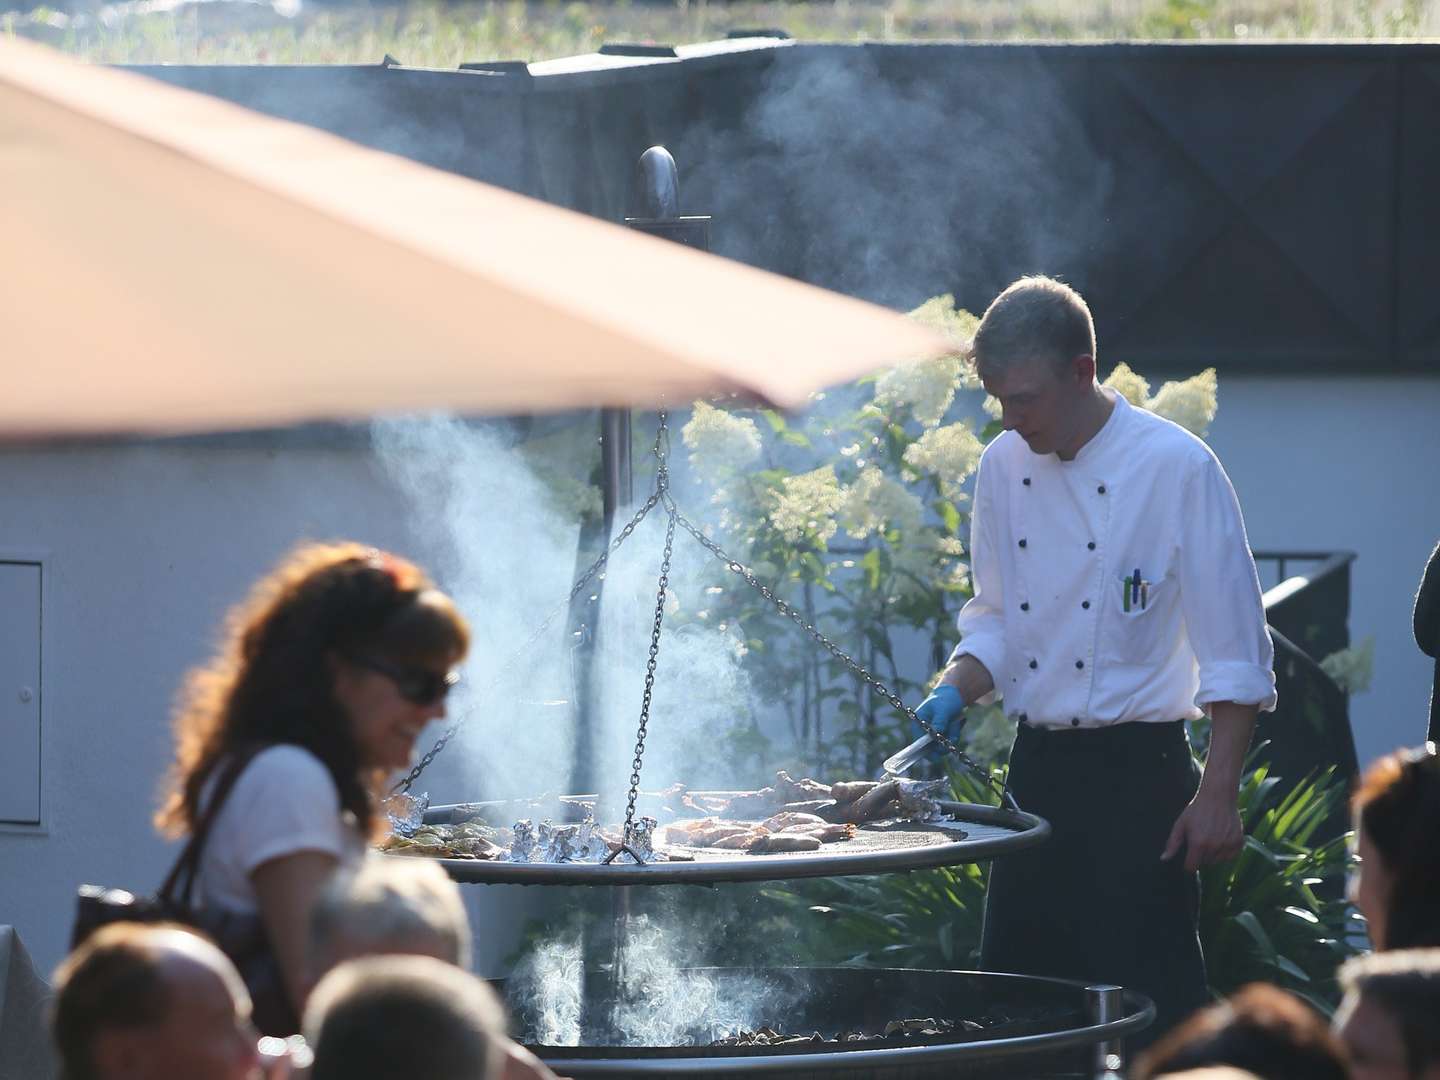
{"x": 406, "y": 813}
{"x": 522, "y": 846}
{"x": 919, "y": 799}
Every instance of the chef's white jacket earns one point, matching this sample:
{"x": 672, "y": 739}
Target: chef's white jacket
{"x": 1051, "y": 544}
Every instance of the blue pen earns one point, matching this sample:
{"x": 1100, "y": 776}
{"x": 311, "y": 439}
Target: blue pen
{"x": 1135, "y": 587}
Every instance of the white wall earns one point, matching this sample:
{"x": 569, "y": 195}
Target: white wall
{"x": 144, "y": 548}
{"x": 1330, "y": 463}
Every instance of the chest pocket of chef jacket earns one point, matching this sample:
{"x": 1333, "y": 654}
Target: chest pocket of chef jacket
{"x": 1141, "y": 635}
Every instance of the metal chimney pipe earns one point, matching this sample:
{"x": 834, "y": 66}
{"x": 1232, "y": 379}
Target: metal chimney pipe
{"x": 657, "y": 188}
{"x": 658, "y": 181}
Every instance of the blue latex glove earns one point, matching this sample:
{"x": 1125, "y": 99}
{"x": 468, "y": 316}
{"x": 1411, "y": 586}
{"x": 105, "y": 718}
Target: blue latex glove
{"x": 944, "y": 710}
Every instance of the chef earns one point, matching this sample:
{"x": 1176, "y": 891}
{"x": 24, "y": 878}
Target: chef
{"x": 1115, "y": 599}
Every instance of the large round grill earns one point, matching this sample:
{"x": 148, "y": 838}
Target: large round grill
{"x": 978, "y": 832}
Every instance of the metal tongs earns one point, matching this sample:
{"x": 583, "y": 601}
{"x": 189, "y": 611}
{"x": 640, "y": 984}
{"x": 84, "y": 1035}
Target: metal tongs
{"x": 902, "y": 761}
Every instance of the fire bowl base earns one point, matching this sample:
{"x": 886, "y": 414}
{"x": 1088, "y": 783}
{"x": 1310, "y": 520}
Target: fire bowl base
{"x": 1031, "y": 1027}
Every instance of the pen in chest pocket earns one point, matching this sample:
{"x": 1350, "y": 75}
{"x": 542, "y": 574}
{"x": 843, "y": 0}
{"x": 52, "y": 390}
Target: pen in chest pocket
{"x": 1134, "y": 592}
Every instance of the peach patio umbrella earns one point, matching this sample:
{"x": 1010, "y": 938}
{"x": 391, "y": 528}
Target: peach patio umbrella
{"x": 170, "y": 262}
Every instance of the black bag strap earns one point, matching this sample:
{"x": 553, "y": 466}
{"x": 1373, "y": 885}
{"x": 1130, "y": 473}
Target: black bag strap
{"x": 187, "y": 865}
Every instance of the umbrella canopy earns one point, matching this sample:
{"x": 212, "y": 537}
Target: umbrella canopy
{"x": 171, "y": 262}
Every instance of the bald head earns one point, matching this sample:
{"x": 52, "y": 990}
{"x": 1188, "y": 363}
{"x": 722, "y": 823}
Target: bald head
{"x": 141, "y": 1002}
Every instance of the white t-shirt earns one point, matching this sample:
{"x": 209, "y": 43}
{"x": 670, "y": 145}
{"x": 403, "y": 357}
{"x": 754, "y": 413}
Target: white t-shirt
{"x": 284, "y": 802}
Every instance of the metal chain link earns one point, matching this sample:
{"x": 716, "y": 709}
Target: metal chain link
{"x": 599, "y": 564}
{"x": 798, "y": 618}
{"x": 640, "y": 733}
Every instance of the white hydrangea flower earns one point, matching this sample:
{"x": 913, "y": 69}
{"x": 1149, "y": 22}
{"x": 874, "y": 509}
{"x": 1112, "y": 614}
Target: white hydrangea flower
{"x": 1352, "y": 668}
{"x": 916, "y": 566}
{"x": 806, "y": 504}
{"x": 957, "y": 576}
{"x": 925, "y": 387}
{"x": 950, "y": 552}
{"x": 876, "y": 502}
{"x": 1133, "y": 387}
{"x": 992, "y": 407}
{"x": 956, "y": 325}
{"x": 1190, "y": 403}
{"x": 720, "y": 442}
{"x": 951, "y": 453}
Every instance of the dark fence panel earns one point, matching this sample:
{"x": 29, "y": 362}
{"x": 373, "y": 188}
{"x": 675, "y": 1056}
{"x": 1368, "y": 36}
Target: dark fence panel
{"x": 1309, "y": 731}
{"x": 1255, "y": 207}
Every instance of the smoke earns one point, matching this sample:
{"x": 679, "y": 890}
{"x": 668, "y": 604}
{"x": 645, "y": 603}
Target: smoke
{"x": 503, "y": 544}
{"x": 700, "y": 687}
{"x": 546, "y": 992}
{"x": 663, "y": 997}
{"x": 664, "y": 1002}
{"x": 896, "y": 173}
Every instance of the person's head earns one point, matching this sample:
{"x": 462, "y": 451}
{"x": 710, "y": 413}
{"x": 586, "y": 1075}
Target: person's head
{"x": 1260, "y": 1029}
{"x": 1035, "y": 354}
{"x": 1396, "y": 885}
{"x": 341, "y": 649}
{"x": 389, "y": 906}
{"x": 140, "y": 1002}
{"x": 381, "y": 1017}
{"x": 1389, "y": 1018}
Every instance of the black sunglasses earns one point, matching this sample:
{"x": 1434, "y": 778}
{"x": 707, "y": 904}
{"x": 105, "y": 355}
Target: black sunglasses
{"x": 416, "y": 685}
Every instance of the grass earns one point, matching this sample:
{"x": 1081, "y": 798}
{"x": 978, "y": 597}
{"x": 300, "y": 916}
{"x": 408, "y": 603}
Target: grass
{"x": 424, "y": 33}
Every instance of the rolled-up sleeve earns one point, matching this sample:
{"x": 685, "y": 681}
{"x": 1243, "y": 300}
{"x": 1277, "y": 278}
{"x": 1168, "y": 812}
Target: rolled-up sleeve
{"x": 982, "y": 619}
{"x": 1220, "y": 594}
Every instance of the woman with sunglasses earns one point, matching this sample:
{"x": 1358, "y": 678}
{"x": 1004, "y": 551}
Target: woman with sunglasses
{"x": 325, "y": 677}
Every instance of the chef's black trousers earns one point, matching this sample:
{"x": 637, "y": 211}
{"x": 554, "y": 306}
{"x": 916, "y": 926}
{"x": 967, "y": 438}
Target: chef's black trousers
{"x": 1095, "y": 902}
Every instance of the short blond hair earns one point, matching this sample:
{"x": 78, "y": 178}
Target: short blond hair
{"x": 389, "y": 905}
{"x": 1035, "y": 318}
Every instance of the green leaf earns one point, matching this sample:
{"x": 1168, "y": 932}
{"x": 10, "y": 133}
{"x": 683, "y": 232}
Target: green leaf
{"x": 871, "y": 565}
{"x": 949, "y": 515}
{"x": 774, "y": 419}
{"x": 1289, "y": 967}
{"x": 1247, "y": 921}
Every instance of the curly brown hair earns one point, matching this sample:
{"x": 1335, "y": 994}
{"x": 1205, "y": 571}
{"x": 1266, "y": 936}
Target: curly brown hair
{"x": 271, "y": 681}
{"x": 1398, "y": 806}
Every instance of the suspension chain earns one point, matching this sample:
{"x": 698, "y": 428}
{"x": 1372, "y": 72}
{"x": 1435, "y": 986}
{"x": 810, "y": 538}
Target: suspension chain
{"x": 798, "y": 618}
{"x": 640, "y": 733}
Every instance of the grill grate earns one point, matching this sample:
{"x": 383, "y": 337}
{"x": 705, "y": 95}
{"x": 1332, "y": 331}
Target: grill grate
{"x": 983, "y": 832}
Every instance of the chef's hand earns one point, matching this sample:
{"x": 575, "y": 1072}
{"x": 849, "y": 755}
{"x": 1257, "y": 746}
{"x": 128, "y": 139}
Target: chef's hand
{"x": 944, "y": 710}
{"x": 1209, "y": 830}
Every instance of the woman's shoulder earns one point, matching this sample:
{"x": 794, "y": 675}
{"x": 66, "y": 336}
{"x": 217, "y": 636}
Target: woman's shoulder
{"x": 286, "y": 772}
{"x": 288, "y": 758}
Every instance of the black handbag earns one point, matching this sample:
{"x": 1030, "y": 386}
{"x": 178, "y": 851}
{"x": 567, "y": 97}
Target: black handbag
{"x": 242, "y": 937}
